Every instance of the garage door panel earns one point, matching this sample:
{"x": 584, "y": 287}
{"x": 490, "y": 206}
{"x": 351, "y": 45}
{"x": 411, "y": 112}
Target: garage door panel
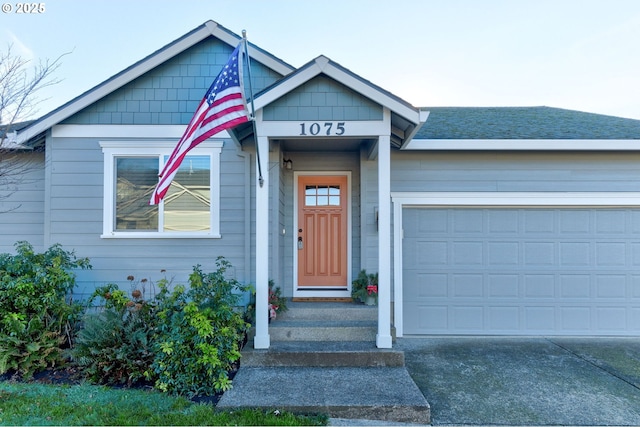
{"x": 468, "y": 285}
{"x": 539, "y": 318}
{"x": 575, "y": 254}
{"x": 467, "y": 253}
{"x": 503, "y": 286}
{"x": 611, "y": 318}
{"x": 539, "y": 222}
{"x": 539, "y": 253}
{"x": 503, "y": 222}
{"x": 430, "y": 286}
{"x": 539, "y": 286}
{"x": 467, "y": 221}
{"x": 575, "y": 319}
{"x": 575, "y": 286}
{"x": 611, "y": 253}
{"x": 468, "y": 318}
{"x": 432, "y": 253}
{"x": 611, "y": 286}
{"x": 521, "y": 271}
{"x": 610, "y": 222}
{"x": 504, "y": 319}
{"x": 503, "y": 253}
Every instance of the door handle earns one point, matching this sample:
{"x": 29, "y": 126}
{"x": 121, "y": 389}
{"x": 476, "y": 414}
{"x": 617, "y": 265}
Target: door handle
{"x": 300, "y": 245}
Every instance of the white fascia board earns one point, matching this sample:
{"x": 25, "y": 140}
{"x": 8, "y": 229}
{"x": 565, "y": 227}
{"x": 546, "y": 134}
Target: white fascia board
{"x": 123, "y": 131}
{"x": 524, "y": 144}
{"x": 516, "y": 199}
{"x": 423, "y": 116}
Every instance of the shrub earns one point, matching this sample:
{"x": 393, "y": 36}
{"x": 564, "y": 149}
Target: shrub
{"x": 115, "y": 345}
{"x": 38, "y": 317}
{"x": 199, "y": 333}
{"x": 186, "y": 340}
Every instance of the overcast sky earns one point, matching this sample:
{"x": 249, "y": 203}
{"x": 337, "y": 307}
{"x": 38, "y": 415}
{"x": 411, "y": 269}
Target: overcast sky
{"x": 576, "y": 54}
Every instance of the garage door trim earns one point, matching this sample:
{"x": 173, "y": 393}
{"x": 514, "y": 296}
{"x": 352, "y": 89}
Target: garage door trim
{"x": 401, "y": 200}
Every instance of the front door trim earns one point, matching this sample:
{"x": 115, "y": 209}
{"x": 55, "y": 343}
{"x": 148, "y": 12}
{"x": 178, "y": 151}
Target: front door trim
{"x": 328, "y": 293}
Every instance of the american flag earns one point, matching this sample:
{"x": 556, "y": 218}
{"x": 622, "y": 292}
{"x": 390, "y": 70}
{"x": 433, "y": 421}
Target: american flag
{"x": 223, "y": 107}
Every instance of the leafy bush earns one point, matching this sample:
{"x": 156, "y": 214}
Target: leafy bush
{"x": 186, "y": 340}
{"x": 115, "y": 345}
{"x": 199, "y": 333}
{"x": 38, "y": 317}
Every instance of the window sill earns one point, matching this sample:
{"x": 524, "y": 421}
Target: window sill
{"x": 151, "y": 235}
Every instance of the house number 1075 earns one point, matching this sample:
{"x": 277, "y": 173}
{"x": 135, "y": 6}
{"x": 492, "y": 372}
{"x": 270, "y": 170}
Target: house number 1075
{"x": 326, "y": 128}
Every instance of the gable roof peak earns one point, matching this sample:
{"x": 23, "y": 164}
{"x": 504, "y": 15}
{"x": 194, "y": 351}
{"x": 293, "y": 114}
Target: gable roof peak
{"x": 208, "y": 29}
{"x": 322, "y": 62}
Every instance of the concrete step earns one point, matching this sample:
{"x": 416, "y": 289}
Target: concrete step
{"x": 336, "y": 330}
{"x": 325, "y": 321}
{"x": 328, "y": 311}
{"x": 378, "y": 393}
{"x": 323, "y": 359}
{"x": 322, "y": 354}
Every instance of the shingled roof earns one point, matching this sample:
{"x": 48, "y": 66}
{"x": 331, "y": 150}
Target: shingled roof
{"x": 523, "y": 123}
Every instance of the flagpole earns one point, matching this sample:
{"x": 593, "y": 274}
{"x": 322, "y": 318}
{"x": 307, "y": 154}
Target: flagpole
{"x": 253, "y": 110}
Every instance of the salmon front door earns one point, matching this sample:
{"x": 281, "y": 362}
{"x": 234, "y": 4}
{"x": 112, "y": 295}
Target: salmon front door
{"x": 321, "y": 243}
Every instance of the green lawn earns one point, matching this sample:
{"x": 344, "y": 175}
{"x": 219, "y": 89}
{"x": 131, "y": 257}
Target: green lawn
{"x": 39, "y": 404}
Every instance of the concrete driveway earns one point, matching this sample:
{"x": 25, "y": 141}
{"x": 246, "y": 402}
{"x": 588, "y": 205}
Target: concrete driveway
{"x": 527, "y": 381}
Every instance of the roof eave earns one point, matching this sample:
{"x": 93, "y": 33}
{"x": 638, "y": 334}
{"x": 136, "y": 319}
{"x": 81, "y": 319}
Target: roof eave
{"x": 209, "y": 28}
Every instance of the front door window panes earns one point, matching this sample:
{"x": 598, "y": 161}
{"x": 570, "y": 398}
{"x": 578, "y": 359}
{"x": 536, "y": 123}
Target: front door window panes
{"x": 322, "y": 195}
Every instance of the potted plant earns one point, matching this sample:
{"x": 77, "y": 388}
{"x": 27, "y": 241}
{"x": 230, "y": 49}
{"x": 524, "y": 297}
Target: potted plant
{"x": 277, "y": 303}
{"x": 365, "y": 288}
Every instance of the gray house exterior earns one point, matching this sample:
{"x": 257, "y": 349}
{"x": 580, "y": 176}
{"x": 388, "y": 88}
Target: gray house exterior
{"x": 479, "y": 221}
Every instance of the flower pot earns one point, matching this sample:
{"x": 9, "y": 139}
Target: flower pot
{"x": 371, "y": 300}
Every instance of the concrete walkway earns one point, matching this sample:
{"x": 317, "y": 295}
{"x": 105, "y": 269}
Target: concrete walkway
{"x": 467, "y": 381}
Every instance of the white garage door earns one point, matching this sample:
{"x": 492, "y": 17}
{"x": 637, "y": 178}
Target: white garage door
{"x": 521, "y": 271}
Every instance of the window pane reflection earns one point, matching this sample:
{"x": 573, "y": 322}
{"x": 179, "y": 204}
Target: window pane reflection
{"x": 187, "y": 203}
{"x": 322, "y": 195}
{"x": 136, "y": 179}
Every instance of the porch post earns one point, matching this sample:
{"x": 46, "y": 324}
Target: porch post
{"x": 262, "y": 339}
{"x": 383, "y": 339}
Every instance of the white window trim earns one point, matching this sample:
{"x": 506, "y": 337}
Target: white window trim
{"x": 113, "y": 149}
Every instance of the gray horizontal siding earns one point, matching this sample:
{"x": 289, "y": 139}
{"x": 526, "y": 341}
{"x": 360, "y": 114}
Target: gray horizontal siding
{"x": 442, "y": 171}
{"x": 75, "y": 221}
{"x": 22, "y": 206}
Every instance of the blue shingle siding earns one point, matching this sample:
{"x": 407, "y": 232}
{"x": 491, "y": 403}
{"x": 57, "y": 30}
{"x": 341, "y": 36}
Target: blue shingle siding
{"x": 322, "y": 98}
{"x": 171, "y": 92}
{"x": 523, "y": 123}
